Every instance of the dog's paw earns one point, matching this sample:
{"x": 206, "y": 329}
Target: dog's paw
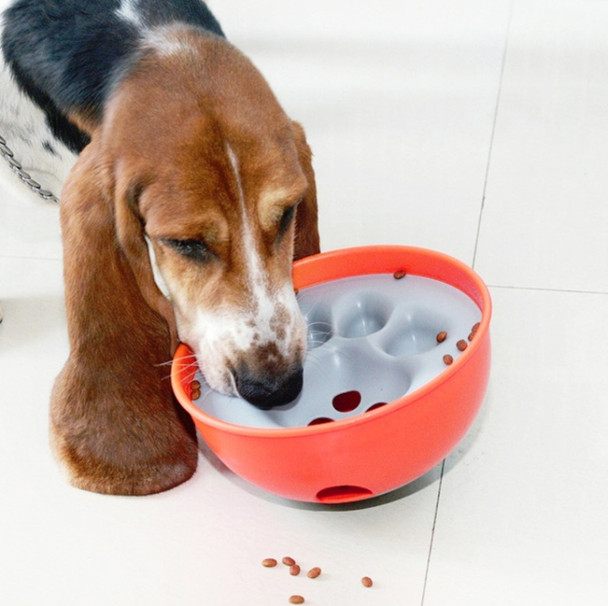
{"x": 143, "y": 445}
{"x": 127, "y": 464}
{"x": 135, "y": 477}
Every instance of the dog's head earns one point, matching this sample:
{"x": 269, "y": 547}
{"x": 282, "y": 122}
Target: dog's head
{"x": 200, "y": 160}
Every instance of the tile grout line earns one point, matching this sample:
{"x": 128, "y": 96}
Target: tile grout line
{"x": 428, "y": 559}
{"x": 573, "y": 291}
{"x": 493, "y": 132}
{"x": 483, "y": 200}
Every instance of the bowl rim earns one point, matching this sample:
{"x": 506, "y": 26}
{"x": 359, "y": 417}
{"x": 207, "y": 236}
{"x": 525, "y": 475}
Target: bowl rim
{"x": 367, "y": 256}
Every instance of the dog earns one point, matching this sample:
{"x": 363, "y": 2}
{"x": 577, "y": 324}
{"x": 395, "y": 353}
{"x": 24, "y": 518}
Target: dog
{"x": 185, "y": 163}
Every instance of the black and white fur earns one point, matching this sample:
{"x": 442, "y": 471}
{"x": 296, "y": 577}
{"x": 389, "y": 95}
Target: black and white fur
{"x": 54, "y": 59}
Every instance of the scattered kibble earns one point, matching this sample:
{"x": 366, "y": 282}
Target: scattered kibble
{"x": 399, "y": 274}
{"x": 313, "y": 573}
{"x": 462, "y": 345}
{"x": 447, "y": 359}
{"x": 195, "y": 384}
{"x": 441, "y": 336}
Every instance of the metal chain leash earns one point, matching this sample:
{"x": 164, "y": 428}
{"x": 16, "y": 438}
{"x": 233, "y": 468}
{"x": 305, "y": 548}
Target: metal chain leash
{"x": 7, "y": 154}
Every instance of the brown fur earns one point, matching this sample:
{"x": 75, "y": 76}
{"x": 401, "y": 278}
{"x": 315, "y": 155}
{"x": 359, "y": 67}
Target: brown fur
{"x": 153, "y": 167}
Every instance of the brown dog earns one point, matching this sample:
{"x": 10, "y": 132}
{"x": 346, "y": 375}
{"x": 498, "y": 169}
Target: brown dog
{"x": 191, "y": 155}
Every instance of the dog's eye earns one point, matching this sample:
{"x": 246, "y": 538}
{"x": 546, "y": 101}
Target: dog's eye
{"x": 192, "y": 249}
{"x": 286, "y": 220}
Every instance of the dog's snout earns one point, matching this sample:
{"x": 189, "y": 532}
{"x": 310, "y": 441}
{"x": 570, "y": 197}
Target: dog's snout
{"x": 268, "y": 393}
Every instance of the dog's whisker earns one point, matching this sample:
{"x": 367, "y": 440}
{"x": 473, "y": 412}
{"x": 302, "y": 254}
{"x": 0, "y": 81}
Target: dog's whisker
{"x": 160, "y": 364}
{"x": 320, "y": 332}
{"x": 320, "y": 323}
{"x": 191, "y": 357}
{"x": 318, "y": 338}
{"x": 185, "y": 364}
{"x": 315, "y": 341}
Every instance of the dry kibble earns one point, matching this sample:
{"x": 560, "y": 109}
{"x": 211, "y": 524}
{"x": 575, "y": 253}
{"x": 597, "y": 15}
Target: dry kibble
{"x": 400, "y": 273}
{"x": 195, "y": 390}
{"x": 462, "y": 345}
{"x": 294, "y": 570}
{"x": 288, "y": 561}
{"x": 313, "y": 573}
{"x": 475, "y": 328}
{"x": 447, "y": 359}
{"x": 441, "y": 336}
{"x": 296, "y": 599}
{"x": 269, "y": 562}
{"x": 367, "y": 582}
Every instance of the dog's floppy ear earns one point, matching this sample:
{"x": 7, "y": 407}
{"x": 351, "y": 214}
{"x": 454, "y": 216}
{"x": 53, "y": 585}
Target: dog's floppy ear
{"x": 307, "y": 232}
{"x": 114, "y": 422}
{"x": 130, "y": 232}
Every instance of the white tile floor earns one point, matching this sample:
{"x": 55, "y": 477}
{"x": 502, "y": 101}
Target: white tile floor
{"x": 477, "y": 128}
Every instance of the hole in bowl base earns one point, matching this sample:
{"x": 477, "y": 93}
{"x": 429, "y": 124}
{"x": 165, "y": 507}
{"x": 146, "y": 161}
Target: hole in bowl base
{"x": 376, "y": 405}
{"x": 346, "y": 401}
{"x": 320, "y": 420}
{"x": 343, "y": 494}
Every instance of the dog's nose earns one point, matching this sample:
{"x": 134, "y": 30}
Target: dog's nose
{"x": 270, "y": 393}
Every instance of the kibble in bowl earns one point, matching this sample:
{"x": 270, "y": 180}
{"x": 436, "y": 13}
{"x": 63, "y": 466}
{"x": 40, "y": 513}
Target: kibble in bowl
{"x": 379, "y": 406}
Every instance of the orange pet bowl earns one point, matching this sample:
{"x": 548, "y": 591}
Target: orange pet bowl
{"x": 386, "y": 396}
